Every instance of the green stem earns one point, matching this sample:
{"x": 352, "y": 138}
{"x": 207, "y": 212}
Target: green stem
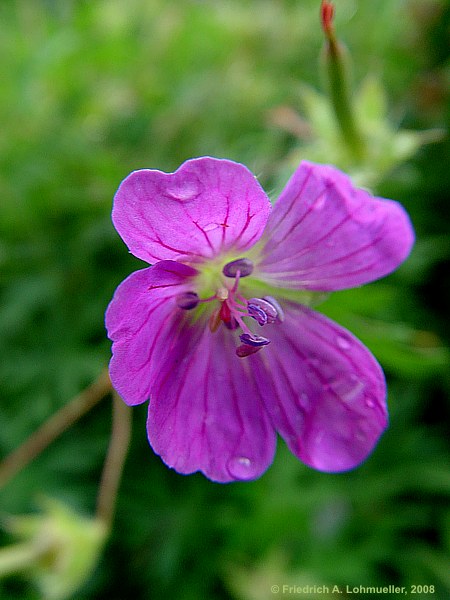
{"x": 340, "y": 96}
{"x": 115, "y": 461}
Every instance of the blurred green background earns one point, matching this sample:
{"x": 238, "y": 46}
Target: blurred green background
{"x": 91, "y": 90}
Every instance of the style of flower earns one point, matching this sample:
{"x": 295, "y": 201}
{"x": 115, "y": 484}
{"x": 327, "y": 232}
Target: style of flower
{"x": 217, "y": 334}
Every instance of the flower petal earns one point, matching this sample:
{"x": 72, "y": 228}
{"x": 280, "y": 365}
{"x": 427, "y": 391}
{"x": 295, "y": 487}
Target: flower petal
{"x": 326, "y": 235}
{"x": 205, "y": 207}
{"x": 141, "y": 320}
{"x": 205, "y": 413}
{"x": 324, "y": 390}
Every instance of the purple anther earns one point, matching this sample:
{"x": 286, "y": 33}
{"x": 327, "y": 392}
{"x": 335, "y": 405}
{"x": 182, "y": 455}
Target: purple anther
{"x": 243, "y": 265}
{"x": 254, "y": 340}
{"x": 187, "y": 300}
{"x": 245, "y": 350}
{"x": 280, "y": 313}
{"x": 262, "y": 310}
{"x": 257, "y": 313}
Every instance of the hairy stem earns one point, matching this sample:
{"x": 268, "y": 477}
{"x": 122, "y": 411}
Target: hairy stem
{"x": 337, "y": 65}
{"x": 53, "y": 427}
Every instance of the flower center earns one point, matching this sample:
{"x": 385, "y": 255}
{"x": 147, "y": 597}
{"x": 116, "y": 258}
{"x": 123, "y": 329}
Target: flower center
{"x": 233, "y": 308}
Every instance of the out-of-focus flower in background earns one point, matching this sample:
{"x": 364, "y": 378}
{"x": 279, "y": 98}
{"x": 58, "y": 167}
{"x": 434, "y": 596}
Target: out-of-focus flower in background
{"x": 57, "y": 548}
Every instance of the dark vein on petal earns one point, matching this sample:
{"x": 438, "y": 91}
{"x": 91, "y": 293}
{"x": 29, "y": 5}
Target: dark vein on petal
{"x": 281, "y": 368}
{"x": 158, "y": 335}
{"x": 270, "y": 246}
{"x": 294, "y": 200}
{"x": 205, "y": 234}
{"x": 235, "y": 399}
{"x": 149, "y": 311}
{"x": 204, "y": 430}
{"x": 225, "y": 222}
{"x": 336, "y": 330}
{"x": 307, "y": 249}
{"x": 249, "y": 217}
{"x": 337, "y": 260}
{"x": 181, "y": 380}
{"x": 273, "y": 382}
{"x": 294, "y": 278}
{"x": 326, "y": 387}
{"x": 181, "y": 252}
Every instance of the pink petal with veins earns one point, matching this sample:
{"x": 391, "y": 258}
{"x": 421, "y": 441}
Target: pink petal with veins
{"x": 207, "y": 207}
{"x": 325, "y": 392}
{"x": 324, "y": 234}
{"x": 142, "y": 320}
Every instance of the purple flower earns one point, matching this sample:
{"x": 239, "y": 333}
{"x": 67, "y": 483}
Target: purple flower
{"x": 217, "y": 334}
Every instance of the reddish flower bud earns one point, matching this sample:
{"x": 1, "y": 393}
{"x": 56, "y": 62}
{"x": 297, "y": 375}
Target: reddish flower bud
{"x": 326, "y": 15}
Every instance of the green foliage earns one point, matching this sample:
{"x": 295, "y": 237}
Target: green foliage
{"x": 94, "y": 89}
{"x": 384, "y": 146}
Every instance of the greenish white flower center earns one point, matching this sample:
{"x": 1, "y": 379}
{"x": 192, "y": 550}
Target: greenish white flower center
{"x": 232, "y": 307}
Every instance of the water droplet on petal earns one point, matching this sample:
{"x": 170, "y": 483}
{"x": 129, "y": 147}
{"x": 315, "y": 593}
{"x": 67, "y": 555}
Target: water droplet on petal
{"x": 305, "y": 402}
{"x": 210, "y": 227}
{"x": 184, "y": 188}
{"x": 360, "y": 435}
{"x": 320, "y": 202}
{"x": 348, "y": 388}
{"x": 343, "y": 343}
{"x": 319, "y": 436}
{"x": 370, "y": 403}
{"x": 241, "y": 467}
{"x": 354, "y": 390}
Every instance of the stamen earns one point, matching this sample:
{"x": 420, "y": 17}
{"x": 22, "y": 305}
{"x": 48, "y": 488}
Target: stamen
{"x": 262, "y": 310}
{"x": 235, "y": 287}
{"x": 257, "y": 313}
{"x": 254, "y": 340}
{"x": 280, "y": 313}
{"x": 246, "y": 350}
{"x": 214, "y": 321}
{"x": 242, "y": 325}
{"x": 242, "y": 265}
{"x": 187, "y": 300}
